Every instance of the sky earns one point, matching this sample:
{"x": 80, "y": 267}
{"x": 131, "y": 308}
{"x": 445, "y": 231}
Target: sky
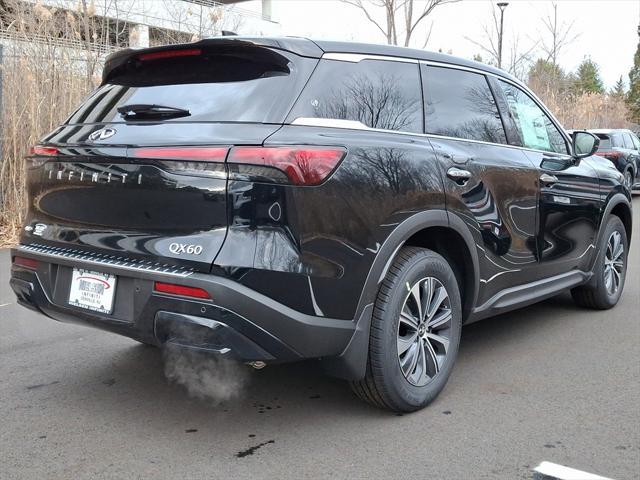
{"x": 606, "y": 30}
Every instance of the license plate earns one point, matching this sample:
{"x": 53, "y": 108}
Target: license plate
{"x": 92, "y": 290}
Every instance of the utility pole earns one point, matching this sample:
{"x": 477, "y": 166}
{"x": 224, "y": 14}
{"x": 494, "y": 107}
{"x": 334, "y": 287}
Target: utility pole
{"x": 502, "y": 6}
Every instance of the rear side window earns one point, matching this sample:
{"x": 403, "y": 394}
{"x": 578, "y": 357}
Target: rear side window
{"x": 536, "y": 129}
{"x": 460, "y": 104}
{"x": 636, "y": 142}
{"x": 616, "y": 140}
{"x": 231, "y": 84}
{"x": 378, "y": 93}
{"x": 628, "y": 143}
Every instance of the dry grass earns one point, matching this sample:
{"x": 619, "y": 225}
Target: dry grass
{"x": 42, "y": 83}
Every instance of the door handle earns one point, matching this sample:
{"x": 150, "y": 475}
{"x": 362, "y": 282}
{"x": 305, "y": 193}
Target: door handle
{"x": 548, "y": 180}
{"x": 459, "y": 175}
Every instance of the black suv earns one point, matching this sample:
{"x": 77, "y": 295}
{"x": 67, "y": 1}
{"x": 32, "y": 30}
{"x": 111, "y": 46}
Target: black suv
{"x": 621, "y": 147}
{"x": 274, "y": 200}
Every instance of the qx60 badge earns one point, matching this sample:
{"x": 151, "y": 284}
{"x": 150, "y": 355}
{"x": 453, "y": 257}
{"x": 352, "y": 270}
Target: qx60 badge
{"x": 182, "y": 248}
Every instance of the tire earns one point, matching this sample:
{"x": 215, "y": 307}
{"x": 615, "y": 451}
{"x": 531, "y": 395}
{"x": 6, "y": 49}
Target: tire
{"x": 598, "y": 294}
{"x": 628, "y": 178}
{"x": 405, "y": 389}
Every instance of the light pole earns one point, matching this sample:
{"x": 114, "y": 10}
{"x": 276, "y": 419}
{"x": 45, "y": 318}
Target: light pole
{"x": 501, "y": 6}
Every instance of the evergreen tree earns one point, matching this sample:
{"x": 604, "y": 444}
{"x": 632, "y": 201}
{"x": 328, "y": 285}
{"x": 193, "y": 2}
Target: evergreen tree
{"x": 618, "y": 89}
{"x": 545, "y": 76}
{"x": 633, "y": 97}
{"x": 588, "y": 78}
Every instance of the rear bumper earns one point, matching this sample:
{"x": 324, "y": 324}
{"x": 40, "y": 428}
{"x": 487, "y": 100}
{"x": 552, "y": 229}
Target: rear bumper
{"x": 238, "y": 323}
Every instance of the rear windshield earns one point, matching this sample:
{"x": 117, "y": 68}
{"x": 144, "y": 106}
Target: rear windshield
{"x": 235, "y": 84}
{"x": 605, "y": 142}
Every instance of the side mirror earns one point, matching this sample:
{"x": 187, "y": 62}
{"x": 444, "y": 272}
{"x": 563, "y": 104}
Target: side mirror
{"x": 585, "y": 144}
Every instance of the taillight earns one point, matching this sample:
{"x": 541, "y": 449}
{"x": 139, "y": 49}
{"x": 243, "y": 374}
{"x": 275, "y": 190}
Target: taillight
{"x": 181, "y": 290}
{"x": 24, "y": 262}
{"x": 193, "y": 154}
{"x": 613, "y": 155}
{"x": 289, "y": 165}
{"x": 43, "y": 151}
{"x": 300, "y": 165}
{"x": 185, "y": 52}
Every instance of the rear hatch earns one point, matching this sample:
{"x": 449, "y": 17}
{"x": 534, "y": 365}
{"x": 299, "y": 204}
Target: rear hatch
{"x": 139, "y": 171}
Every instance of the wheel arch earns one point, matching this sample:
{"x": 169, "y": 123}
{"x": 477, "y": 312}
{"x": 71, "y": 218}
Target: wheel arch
{"x": 427, "y": 229}
{"x": 620, "y": 206}
{"x": 450, "y": 243}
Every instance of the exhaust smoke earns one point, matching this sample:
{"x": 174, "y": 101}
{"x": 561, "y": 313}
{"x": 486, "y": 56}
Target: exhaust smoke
{"x": 205, "y": 376}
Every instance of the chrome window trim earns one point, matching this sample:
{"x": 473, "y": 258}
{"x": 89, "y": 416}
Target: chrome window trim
{"x": 358, "y": 57}
{"x": 359, "y": 126}
{"x": 334, "y": 123}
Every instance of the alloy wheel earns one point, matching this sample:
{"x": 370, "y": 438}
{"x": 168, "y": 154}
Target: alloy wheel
{"x": 628, "y": 179}
{"x": 614, "y": 263}
{"x": 424, "y": 331}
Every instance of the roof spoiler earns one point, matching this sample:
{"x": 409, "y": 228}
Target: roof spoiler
{"x": 299, "y": 46}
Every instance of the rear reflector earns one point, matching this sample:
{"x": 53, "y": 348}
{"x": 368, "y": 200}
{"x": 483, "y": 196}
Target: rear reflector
{"x": 194, "y": 154}
{"x": 302, "y": 165}
{"x": 40, "y": 150}
{"x": 181, "y": 290}
{"x": 26, "y": 263}
{"x": 189, "y": 52}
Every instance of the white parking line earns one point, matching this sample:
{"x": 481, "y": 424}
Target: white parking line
{"x": 553, "y": 471}
{"x": 5, "y": 305}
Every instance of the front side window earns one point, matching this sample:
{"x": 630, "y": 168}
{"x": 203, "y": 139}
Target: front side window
{"x": 636, "y": 142}
{"x": 377, "y": 93}
{"x": 536, "y": 129}
{"x": 460, "y": 104}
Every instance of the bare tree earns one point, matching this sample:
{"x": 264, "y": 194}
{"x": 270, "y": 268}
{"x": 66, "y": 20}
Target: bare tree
{"x": 199, "y": 20}
{"x": 402, "y": 17}
{"x": 560, "y": 35}
{"x": 518, "y": 58}
{"x": 375, "y": 101}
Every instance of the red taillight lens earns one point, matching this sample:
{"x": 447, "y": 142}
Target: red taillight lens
{"x": 42, "y": 151}
{"x": 181, "y": 290}
{"x": 189, "y": 52}
{"x": 194, "y": 154}
{"x": 302, "y": 165}
{"x": 613, "y": 156}
{"x": 29, "y": 263}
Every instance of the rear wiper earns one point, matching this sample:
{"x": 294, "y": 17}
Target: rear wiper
{"x": 143, "y": 111}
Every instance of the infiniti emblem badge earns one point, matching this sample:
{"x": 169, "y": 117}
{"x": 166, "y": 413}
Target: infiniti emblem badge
{"x": 102, "y": 134}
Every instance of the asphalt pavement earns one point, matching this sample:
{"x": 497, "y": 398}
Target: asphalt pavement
{"x": 552, "y": 382}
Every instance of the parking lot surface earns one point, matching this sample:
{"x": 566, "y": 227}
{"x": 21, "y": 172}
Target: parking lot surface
{"x": 551, "y": 382}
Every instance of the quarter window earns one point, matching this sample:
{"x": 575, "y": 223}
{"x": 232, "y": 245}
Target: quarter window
{"x": 460, "y": 104}
{"x": 536, "y": 129}
{"x": 377, "y": 93}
